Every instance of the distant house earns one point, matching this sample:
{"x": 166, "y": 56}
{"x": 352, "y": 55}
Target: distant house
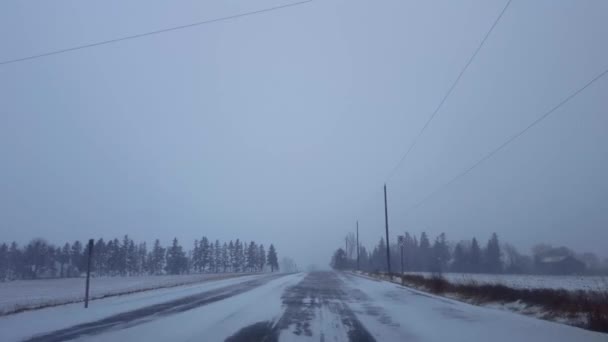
{"x": 559, "y": 264}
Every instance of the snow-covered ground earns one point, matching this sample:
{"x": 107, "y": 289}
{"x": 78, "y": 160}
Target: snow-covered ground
{"x": 217, "y": 320}
{"x": 24, "y": 294}
{"x": 395, "y": 313}
{"x": 298, "y": 307}
{"x": 523, "y": 281}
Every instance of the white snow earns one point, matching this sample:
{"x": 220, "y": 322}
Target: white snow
{"x": 326, "y": 325}
{"x": 212, "y": 322}
{"x": 25, "y": 324}
{"x": 524, "y": 281}
{"x": 20, "y": 294}
{"x": 392, "y": 312}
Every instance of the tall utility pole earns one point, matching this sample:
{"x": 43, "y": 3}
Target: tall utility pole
{"x": 358, "y": 245}
{"x": 388, "y": 253}
{"x": 401, "y": 243}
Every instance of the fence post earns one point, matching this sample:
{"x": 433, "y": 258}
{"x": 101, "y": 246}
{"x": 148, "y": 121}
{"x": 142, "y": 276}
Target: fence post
{"x": 86, "y": 293}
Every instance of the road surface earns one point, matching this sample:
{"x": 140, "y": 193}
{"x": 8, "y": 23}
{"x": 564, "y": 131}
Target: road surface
{"x": 317, "y": 306}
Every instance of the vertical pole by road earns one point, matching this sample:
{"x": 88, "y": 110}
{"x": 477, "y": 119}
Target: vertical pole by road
{"x": 358, "y": 245}
{"x": 401, "y": 258}
{"x": 388, "y": 253}
{"x": 86, "y": 293}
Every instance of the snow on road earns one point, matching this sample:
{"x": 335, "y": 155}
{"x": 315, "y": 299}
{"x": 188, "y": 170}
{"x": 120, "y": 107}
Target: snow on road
{"x": 21, "y": 325}
{"x": 318, "y": 306}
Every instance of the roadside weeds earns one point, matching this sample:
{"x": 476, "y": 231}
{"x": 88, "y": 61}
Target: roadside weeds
{"x": 585, "y": 309}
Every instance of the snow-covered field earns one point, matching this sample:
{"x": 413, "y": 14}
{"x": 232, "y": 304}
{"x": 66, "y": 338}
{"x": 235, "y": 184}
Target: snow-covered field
{"x": 28, "y": 294}
{"x": 590, "y": 283}
{"x": 297, "y": 307}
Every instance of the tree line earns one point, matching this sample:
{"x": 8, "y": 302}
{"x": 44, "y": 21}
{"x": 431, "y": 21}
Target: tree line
{"x": 422, "y": 255}
{"x": 125, "y": 257}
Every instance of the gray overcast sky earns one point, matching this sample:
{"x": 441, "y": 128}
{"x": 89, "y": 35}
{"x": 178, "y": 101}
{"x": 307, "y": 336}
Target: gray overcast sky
{"x": 282, "y": 127}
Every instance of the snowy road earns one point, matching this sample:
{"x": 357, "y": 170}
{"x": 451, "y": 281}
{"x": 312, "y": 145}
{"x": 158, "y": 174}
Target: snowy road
{"x": 318, "y": 306}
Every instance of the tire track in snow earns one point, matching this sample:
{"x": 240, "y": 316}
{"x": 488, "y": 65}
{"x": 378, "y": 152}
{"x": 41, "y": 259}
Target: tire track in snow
{"x": 318, "y": 299}
{"x": 149, "y": 313}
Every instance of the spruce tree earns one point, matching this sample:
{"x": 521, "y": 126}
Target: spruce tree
{"x": 196, "y": 256}
{"x": 218, "y": 256}
{"x": 261, "y": 257}
{"x": 176, "y": 259}
{"x": 225, "y": 258}
{"x": 251, "y": 257}
{"x": 475, "y": 261}
{"x": 425, "y": 253}
{"x": 76, "y": 256}
{"x": 212, "y": 257}
{"x": 204, "y": 250}
{"x": 492, "y": 255}
{"x": 273, "y": 261}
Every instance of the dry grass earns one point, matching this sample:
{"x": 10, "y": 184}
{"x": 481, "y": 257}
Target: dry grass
{"x": 593, "y": 305}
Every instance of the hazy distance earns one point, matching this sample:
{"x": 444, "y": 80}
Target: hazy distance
{"x": 287, "y": 124}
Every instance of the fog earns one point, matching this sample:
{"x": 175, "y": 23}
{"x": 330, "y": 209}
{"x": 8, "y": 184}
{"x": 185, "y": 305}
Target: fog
{"x": 283, "y": 127}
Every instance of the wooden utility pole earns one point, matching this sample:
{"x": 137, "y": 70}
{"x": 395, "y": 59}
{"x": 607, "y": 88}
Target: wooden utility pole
{"x": 401, "y": 243}
{"x": 86, "y": 292}
{"x": 388, "y": 253}
{"x": 358, "y": 245}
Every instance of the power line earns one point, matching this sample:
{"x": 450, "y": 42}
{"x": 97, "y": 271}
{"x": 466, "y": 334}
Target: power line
{"x": 466, "y": 66}
{"x": 513, "y": 138}
{"x": 150, "y": 33}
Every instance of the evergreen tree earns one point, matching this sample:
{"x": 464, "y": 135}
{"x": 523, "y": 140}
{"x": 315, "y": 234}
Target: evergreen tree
{"x": 15, "y": 262}
{"x": 273, "y": 261}
{"x": 339, "y": 260}
{"x": 460, "y": 259}
{"x": 197, "y": 257}
{"x": 441, "y": 254}
{"x": 424, "y": 255}
{"x": 131, "y": 258}
{"x": 410, "y": 249}
{"x": 244, "y": 248}
{"x": 252, "y": 257}
{"x": 100, "y": 257}
{"x": 157, "y": 258}
{"x": 492, "y": 255}
{"x": 379, "y": 256}
{"x": 261, "y": 258}
{"x": 475, "y": 257}
{"x": 218, "y": 256}
{"x": 64, "y": 259}
{"x": 225, "y": 257}
{"x": 212, "y": 260}
{"x": 124, "y": 255}
{"x": 176, "y": 259}
{"x": 204, "y": 250}
{"x": 114, "y": 257}
{"x": 76, "y": 258}
{"x": 142, "y": 253}
{"x": 236, "y": 256}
